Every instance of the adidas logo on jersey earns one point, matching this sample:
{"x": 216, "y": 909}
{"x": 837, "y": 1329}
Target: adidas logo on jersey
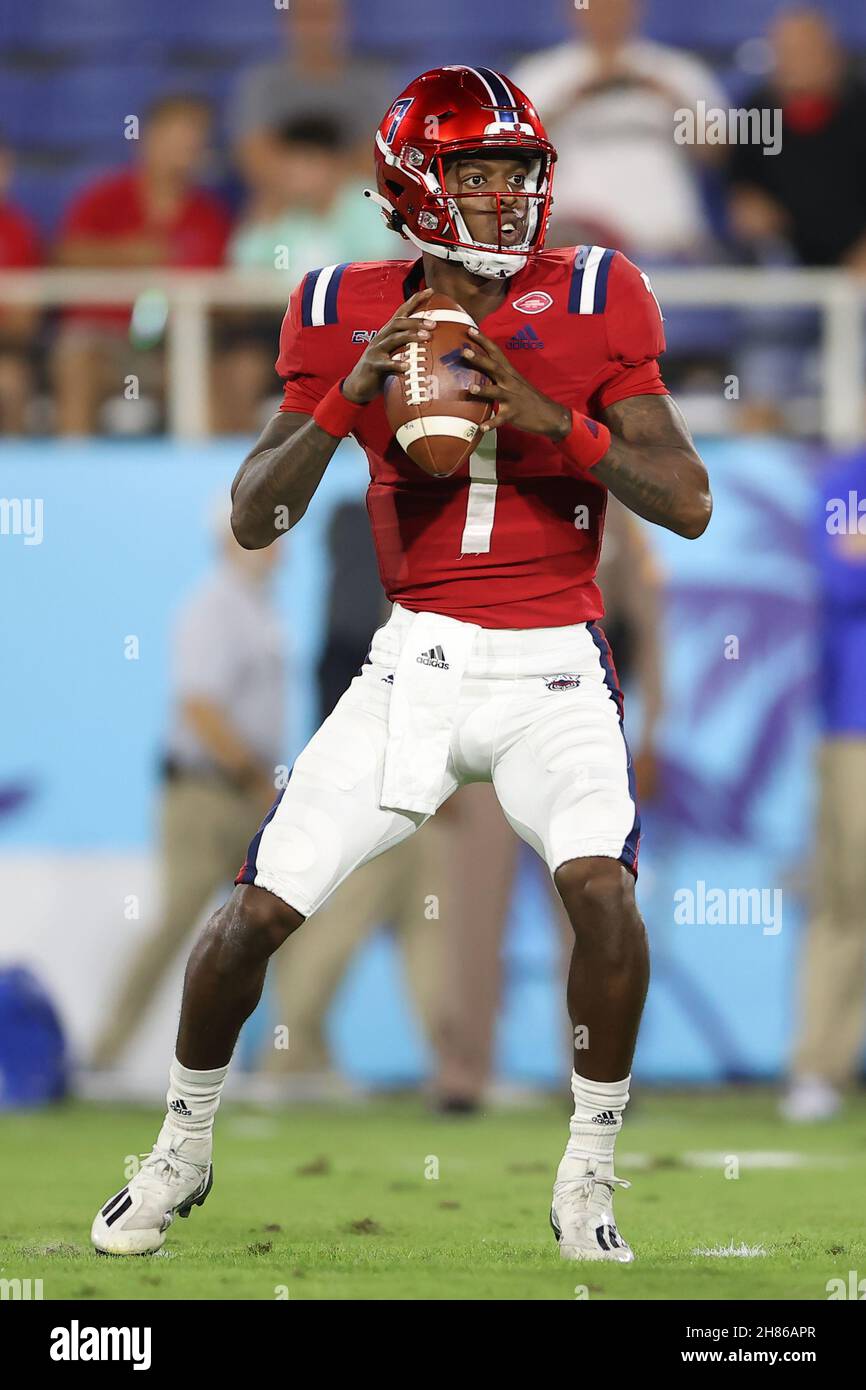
{"x": 180, "y": 1107}
{"x": 605, "y": 1117}
{"x": 525, "y": 338}
{"x": 434, "y": 657}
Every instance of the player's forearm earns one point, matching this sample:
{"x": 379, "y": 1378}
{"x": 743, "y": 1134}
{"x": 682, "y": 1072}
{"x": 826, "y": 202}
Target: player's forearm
{"x": 664, "y": 484}
{"x": 652, "y": 466}
{"x": 276, "y": 482}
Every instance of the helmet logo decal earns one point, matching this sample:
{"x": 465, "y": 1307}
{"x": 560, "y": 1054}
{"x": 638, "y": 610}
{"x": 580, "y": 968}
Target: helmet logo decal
{"x": 397, "y": 112}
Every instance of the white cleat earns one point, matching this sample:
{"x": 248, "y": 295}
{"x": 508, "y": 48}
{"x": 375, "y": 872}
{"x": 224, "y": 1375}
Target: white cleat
{"x": 582, "y": 1219}
{"x": 176, "y": 1176}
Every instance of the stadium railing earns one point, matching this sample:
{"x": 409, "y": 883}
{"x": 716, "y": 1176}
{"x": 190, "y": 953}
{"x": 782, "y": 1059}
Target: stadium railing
{"x": 838, "y": 298}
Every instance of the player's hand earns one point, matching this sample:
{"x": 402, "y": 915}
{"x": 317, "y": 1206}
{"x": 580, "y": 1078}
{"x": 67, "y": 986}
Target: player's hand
{"x": 518, "y": 403}
{"x": 367, "y": 377}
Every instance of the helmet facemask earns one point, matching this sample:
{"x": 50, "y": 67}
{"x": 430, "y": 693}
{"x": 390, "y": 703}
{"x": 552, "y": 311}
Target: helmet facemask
{"x": 442, "y": 213}
{"x": 442, "y": 229}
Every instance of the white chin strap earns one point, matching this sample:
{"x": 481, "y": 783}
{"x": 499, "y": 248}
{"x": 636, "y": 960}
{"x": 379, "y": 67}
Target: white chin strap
{"x": 478, "y": 260}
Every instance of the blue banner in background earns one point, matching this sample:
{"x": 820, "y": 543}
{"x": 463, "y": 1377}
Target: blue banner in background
{"x": 125, "y": 533}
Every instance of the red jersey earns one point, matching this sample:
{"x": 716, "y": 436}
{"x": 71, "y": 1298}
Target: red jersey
{"x": 512, "y": 539}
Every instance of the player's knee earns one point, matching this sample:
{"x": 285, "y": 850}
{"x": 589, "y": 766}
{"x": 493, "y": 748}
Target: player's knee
{"x": 598, "y": 894}
{"x": 265, "y": 920}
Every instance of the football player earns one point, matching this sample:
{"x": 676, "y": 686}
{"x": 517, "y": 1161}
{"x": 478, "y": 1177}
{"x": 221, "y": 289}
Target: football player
{"x": 492, "y": 666}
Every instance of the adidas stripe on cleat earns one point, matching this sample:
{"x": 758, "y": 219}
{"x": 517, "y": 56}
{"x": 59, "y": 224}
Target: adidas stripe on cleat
{"x": 169, "y": 1183}
{"x": 581, "y": 1218}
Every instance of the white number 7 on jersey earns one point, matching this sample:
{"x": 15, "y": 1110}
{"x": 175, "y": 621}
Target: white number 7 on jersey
{"x": 481, "y": 504}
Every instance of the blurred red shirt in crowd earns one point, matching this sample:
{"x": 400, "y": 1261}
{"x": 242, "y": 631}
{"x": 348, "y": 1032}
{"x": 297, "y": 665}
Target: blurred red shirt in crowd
{"x": 152, "y": 215}
{"x": 19, "y": 244}
{"x": 19, "y": 241}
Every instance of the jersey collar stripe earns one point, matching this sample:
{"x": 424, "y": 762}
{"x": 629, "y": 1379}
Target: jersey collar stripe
{"x": 588, "y": 291}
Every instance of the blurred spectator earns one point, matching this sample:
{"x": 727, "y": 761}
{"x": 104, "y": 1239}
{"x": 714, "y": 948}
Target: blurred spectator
{"x": 151, "y": 215}
{"x": 407, "y": 890}
{"x": 812, "y": 194}
{"x": 608, "y": 99}
{"x": 223, "y": 749}
{"x": 317, "y": 76}
{"x": 306, "y": 210}
{"x": 474, "y": 926}
{"x": 832, "y": 1023}
{"x": 356, "y": 605}
{"x": 19, "y": 324}
{"x": 309, "y": 207}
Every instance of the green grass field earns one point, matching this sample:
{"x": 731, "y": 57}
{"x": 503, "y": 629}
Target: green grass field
{"x": 318, "y": 1203}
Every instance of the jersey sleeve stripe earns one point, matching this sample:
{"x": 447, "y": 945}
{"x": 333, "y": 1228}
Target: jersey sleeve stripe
{"x": 588, "y": 291}
{"x": 307, "y": 298}
{"x": 332, "y": 292}
{"x": 600, "y": 298}
{"x": 319, "y": 296}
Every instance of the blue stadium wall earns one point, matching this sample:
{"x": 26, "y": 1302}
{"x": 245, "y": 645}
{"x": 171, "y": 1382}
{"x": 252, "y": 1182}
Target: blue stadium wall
{"x": 125, "y": 534}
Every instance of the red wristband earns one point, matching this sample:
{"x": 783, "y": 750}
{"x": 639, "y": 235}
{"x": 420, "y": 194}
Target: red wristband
{"x": 587, "y": 443}
{"x": 335, "y": 415}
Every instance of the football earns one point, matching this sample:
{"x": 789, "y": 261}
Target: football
{"x": 434, "y": 418}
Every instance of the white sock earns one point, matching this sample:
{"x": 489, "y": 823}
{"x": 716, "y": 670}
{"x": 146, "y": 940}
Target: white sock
{"x": 193, "y": 1099}
{"x": 597, "y": 1120}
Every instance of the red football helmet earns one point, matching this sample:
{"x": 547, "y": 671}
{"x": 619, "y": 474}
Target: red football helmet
{"x": 449, "y": 111}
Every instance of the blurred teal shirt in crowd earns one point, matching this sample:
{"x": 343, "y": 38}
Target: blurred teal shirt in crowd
{"x": 351, "y": 230}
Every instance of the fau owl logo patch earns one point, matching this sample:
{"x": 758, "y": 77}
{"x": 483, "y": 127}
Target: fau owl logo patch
{"x": 533, "y": 303}
{"x": 563, "y": 682}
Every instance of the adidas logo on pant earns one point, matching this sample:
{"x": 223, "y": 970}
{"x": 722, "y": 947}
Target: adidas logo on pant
{"x": 606, "y": 1117}
{"x": 434, "y": 657}
{"x": 179, "y": 1107}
